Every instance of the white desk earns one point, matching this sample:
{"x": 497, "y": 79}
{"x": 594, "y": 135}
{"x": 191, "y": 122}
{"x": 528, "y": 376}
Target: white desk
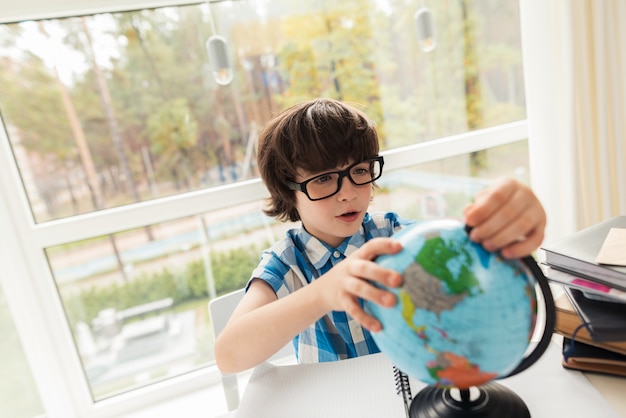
{"x": 612, "y": 388}
{"x": 364, "y": 387}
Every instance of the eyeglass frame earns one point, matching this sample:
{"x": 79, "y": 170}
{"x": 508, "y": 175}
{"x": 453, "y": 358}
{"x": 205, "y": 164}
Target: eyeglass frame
{"x": 301, "y": 187}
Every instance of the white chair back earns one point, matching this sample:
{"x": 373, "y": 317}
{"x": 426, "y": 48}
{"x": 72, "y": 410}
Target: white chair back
{"x": 220, "y": 310}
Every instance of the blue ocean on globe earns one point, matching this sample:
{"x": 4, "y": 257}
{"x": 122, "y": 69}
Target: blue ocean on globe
{"x": 463, "y": 317}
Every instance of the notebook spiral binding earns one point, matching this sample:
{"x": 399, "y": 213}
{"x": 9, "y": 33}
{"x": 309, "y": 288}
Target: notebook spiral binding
{"x": 403, "y": 388}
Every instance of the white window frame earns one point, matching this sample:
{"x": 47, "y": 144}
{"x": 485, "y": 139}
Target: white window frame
{"x": 29, "y": 286}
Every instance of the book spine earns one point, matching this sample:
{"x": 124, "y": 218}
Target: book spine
{"x": 619, "y": 284}
{"x": 571, "y": 280}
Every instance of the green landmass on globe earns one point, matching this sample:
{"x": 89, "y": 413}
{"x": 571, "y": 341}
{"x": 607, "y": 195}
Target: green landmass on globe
{"x": 463, "y": 316}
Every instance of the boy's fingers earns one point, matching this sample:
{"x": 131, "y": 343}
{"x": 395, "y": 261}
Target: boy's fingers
{"x": 511, "y": 227}
{"x": 506, "y": 217}
{"x": 378, "y": 246}
{"x": 488, "y": 201}
{"x": 366, "y": 290}
{"x": 369, "y": 270}
{"x": 359, "y": 315}
{"x": 492, "y": 209}
{"x": 524, "y": 247}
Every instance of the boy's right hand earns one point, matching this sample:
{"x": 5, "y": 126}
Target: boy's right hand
{"x": 350, "y": 280}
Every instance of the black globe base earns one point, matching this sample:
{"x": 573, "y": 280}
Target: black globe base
{"x": 492, "y": 400}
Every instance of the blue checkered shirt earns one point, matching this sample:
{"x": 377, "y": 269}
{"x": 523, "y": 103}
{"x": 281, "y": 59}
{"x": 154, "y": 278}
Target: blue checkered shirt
{"x": 299, "y": 259}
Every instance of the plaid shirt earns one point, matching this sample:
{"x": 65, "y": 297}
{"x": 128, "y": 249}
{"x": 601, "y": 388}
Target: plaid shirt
{"x": 299, "y": 259}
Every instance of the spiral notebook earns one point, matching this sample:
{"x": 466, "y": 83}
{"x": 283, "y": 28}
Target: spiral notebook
{"x": 357, "y": 387}
{"x": 403, "y": 388}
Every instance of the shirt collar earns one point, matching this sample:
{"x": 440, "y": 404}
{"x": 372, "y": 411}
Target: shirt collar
{"x": 319, "y": 252}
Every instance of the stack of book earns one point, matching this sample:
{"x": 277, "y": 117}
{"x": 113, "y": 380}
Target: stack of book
{"x": 591, "y": 313}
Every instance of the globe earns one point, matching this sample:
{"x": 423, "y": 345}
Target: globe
{"x": 463, "y": 316}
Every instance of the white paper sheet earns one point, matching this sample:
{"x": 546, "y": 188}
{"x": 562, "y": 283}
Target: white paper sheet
{"x": 613, "y": 250}
{"x": 360, "y": 387}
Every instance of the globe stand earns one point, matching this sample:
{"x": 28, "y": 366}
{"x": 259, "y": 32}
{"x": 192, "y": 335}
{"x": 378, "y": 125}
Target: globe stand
{"x": 492, "y": 401}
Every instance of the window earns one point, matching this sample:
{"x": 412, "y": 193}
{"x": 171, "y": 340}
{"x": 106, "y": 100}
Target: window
{"x": 129, "y": 169}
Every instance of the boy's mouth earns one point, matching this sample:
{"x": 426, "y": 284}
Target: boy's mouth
{"x": 349, "y": 216}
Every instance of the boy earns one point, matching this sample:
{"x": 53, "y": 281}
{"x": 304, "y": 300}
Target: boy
{"x": 319, "y": 161}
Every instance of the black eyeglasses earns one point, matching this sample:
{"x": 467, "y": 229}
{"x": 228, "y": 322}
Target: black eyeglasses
{"x": 328, "y": 184}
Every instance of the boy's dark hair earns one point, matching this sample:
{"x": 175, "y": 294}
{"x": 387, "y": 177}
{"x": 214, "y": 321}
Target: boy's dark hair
{"x": 314, "y": 136}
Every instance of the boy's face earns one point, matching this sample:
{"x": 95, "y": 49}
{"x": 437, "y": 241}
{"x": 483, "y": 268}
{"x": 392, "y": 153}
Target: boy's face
{"x": 337, "y": 217}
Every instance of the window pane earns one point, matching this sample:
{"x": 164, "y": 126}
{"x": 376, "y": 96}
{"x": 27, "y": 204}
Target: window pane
{"x": 443, "y": 188}
{"x": 136, "y": 300}
{"x": 116, "y": 108}
{"x": 19, "y": 397}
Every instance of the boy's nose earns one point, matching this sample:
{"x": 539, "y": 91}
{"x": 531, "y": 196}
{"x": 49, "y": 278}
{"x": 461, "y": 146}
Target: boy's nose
{"x": 347, "y": 189}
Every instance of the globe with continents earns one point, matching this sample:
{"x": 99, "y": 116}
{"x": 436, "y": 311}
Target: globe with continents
{"x": 463, "y": 316}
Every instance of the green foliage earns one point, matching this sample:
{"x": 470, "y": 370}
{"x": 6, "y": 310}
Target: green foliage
{"x": 193, "y": 284}
{"x": 231, "y": 270}
{"x": 172, "y": 128}
{"x": 40, "y": 108}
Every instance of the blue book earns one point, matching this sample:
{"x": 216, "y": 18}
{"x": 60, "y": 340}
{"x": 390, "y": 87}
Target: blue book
{"x": 589, "y": 358}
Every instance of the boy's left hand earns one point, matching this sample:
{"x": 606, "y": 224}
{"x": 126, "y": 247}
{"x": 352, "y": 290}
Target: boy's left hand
{"x": 507, "y": 217}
